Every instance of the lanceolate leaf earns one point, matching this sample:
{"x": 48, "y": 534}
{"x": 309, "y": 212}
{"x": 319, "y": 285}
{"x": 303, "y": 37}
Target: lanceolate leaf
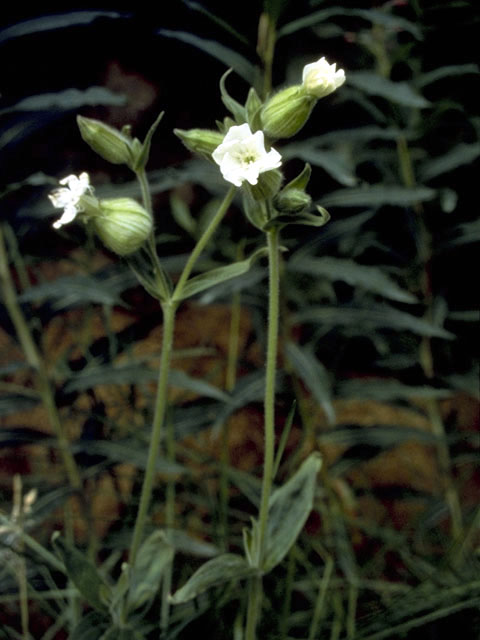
{"x": 398, "y": 92}
{"x": 68, "y": 100}
{"x": 215, "y": 276}
{"x": 289, "y": 509}
{"x": 231, "y": 58}
{"x": 56, "y": 21}
{"x": 219, "y": 570}
{"x": 456, "y": 157}
{"x": 379, "y": 316}
{"x": 153, "y": 558}
{"x": 378, "y": 195}
{"x": 314, "y": 376}
{"x": 369, "y": 278}
{"x": 83, "y": 574}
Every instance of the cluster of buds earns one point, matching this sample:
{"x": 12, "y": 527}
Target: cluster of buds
{"x": 242, "y": 150}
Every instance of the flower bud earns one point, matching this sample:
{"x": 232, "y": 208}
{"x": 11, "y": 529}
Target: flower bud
{"x": 321, "y": 78}
{"x": 123, "y": 225}
{"x": 292, "y": 201}
{"x": 202, "y": 141}
{"x": 286, "y": 112}
{"x": 110, "y": 144}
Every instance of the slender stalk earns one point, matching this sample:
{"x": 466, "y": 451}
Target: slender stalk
{"x": 203, "y": 241}
{"x": 256, "y": 589}
{"x": 169, "y": 524}
{"x": 270, "y": 375}
{"x": 169, "y": 311}
{"x": 169, "y": 308}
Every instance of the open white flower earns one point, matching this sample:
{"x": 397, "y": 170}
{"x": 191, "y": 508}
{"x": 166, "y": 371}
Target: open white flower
{"x": 68, "y": 198}
{"x": 321, "y": 78}
{"x": 242, "y": 156}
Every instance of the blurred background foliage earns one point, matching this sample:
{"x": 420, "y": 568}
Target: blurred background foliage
{"x": 379, "y": 326}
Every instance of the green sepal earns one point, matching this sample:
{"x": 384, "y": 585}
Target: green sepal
{"x": 236, "y": 109}
{"x": 253, "y": 107}
{"x": 142, "y": 151}
{"x": 255, "y": 210}
{"x": 83, "y": 574}
{"x": 308, "y": 219}
{"x": 301, "y": 181}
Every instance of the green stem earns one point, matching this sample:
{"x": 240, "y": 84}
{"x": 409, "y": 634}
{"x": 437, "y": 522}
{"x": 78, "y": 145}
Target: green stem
{"x": 169, "y": 308}
{"x": 270, "y": 375}
{"x": 256, "y": 590}
{"x": 163, "y": 284}
{"x": 202, "y": 242}
{"x": 169, "y": 311}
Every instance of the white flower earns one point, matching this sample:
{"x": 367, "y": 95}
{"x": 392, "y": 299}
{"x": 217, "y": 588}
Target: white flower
{"x": 321, "y": 78}
{"x": 242, "y": 156}
{"x": 68, "y": 198}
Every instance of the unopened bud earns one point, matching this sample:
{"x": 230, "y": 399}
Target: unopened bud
{"x": 292, "y": 201}
{"x": 123, "y": 225}
{"x": 110, "y": 144}
{"x": 202, "y": 141}
{"x": 286, "y": 112}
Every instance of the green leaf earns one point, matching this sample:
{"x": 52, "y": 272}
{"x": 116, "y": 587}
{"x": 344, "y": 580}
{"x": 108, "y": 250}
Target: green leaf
{"x": 238, "y": 111}
{"x": 90, "y": 627}
{"x": 377, "y": 195}
{"x": 456, "y": 157}
{"x": 83, "y": 574}
{"x": 334, "y": 163}
{"x": 74, "y": 290}
{"x": 301, "y": 181}
{"x": 227, "y": 56}
{"x": 388, "y": 20}
{"x": 445, "y": 72}
{"x": 221, "y": 274}
{"x": 154, "y": 556}
{"x": 122, "y": 633}
{"x": 142, "y": 158}
{"x": 372, "y": 279}
{"x": 399, "y": 92}
{"x": 68, "y": 100}
{"x": 314, "y": 376}
{"x": 181, "y": 214}
{"x": 219, "y": 570}
{"x": 378, "y": 316}
{"x": 178, "y": 378}
{"x": 288, "y": 511}
{"x": 55, "y": 21}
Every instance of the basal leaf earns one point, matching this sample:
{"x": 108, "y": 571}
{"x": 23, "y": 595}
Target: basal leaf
{"x": 153, "y": 558}
{"x": 289, "y": 508}
{"x": 214, "y": 572}
{"x": 83, "y": 574}
{"x": 445, "y": 72}
{"x": 181, "y": 379}
{"x": 90, "y": 626}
